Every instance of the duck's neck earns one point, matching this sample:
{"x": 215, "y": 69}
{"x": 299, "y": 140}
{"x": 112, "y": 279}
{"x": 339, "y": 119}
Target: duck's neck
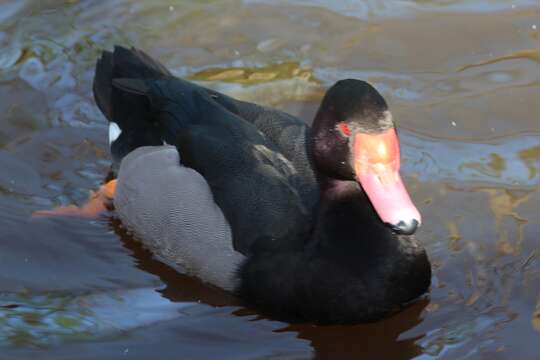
{"x": 347, "y": 226}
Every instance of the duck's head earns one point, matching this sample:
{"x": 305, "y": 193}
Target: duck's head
{"x": 354, "y": 138}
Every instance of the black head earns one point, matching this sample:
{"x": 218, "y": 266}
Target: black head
{"x": 349, "y": 106}
{"x": 354, "y": 139}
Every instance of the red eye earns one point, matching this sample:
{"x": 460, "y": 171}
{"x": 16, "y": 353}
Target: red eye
{"x": 344, "y": 129}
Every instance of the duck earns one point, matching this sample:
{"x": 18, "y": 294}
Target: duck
{"x": 303, "y": 223}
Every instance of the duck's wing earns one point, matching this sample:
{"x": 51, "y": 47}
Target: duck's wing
{"x": 290, "y": 135}
{"x": 146, "y": 106}
{"x": 128, "y": 130}
{"x": 247, "y": 175}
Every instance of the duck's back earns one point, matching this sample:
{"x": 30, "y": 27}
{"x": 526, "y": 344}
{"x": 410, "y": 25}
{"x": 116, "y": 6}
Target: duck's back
{"x": 291, "y": 136}
{"x": 248, "y": 176}
{"x": 288, "y": 134}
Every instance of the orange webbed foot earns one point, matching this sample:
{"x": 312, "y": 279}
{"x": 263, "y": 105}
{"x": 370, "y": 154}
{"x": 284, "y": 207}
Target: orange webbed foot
{"x": 98, "y": 202}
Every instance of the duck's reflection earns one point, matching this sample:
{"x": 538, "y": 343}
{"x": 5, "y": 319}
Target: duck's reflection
{"x": 178, "y": 286}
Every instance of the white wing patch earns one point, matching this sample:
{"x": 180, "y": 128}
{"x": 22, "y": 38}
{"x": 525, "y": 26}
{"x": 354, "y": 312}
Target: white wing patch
{"x": 286, "y": 164}
{"x": 114, "y": 132}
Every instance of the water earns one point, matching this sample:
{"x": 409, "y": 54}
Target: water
{"x": 462, "y": 79}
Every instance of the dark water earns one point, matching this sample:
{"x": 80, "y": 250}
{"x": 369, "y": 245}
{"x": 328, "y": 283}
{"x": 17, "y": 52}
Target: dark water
{"x": 462, "y": 79}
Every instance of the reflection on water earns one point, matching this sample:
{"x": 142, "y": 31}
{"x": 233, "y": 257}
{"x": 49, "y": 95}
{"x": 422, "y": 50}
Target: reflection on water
{"x": 377, "y": 8}
{"x": 503, "y": 203}
{"x": 272, "y": 83}
{"x": 53, "y": 318}
{"x": 511, "y": 161}
{"x": 251, "y": 76}
{"x": 463, "y": 87}
{"x": 536, "y": 316}
{"x": 533, "y": 55}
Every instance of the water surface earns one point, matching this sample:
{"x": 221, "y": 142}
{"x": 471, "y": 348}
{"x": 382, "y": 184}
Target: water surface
{"x": 462, "y": 79}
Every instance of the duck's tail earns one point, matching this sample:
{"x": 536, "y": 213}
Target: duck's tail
{"x": 129, "y": 125}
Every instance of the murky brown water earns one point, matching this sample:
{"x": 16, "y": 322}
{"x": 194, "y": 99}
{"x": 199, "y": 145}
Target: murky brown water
{"x": 462, "y": 79}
